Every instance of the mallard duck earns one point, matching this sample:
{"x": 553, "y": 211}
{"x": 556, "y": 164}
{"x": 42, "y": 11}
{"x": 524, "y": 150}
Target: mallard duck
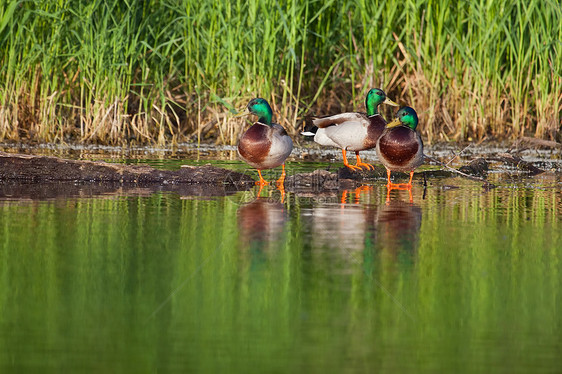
{"x": 400, "y": 147}
{"x": 265, "y": 145}
{"x": 353, "y": 131}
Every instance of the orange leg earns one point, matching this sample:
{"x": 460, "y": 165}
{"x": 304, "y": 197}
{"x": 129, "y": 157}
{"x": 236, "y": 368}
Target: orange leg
{"x": 411, "y": 176}
{"x": 389, "y": 184}
{"x": 281, "y": 188}
{"x": 399, "y": 186}
{"x": 281, "y": 184}
{"x": 352, "y": 167}
{"x": 260, "y": 189}
{"x": 261, "y": 182}
{"x": 281, "y": 179}
{"x": 344, "y": 196}
{"x": 363, "y": 164}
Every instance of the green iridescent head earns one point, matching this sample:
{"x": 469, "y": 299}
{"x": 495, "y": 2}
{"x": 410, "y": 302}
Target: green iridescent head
{"x": 375, "y": 97}
{"x": 406, "y": 116}
{"x": 260, "y": 107}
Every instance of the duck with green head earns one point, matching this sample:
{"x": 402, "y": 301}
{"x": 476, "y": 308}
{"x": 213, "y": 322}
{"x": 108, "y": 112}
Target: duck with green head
{"x": 265, "y": 145}
{"x": 400, "y": 147}
{"x": 353, "y": 131}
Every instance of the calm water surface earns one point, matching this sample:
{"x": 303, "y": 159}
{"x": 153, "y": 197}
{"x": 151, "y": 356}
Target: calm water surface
{"x": 459, "y": 280}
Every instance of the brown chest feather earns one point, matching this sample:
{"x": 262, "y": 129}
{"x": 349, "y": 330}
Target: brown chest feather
{"x": 399, "y": 145}
{"x": 254, "y": 145}
{"x": 374, "y": 131}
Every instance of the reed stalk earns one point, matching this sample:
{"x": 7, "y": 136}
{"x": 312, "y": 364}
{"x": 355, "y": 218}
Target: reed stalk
{"x": 171, "y": 71}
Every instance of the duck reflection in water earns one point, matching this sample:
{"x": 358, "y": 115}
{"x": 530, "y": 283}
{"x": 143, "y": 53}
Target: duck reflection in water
{"x": 261, "y": 222}
{"x": 344, "y": 226}
{"x": 398, "y": 224}
{"x": 357, "y": 225}
{"x": 398, "y": 187}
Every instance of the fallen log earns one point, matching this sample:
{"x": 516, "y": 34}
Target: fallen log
{"x": 518, "y": 163}
{"x": 319, "y": 180}
{"x": 536, "y": 142}
{"x": 17, "y": 190}
{"x": 477, "y": 167}
{"x": 28, "y": 176}
{"x": 27, "y": 168}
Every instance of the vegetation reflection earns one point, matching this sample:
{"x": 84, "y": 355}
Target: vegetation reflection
{"x": 162, "y": 283}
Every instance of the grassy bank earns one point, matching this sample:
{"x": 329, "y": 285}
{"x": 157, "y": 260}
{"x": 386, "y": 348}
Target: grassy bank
{"x": 170, "y": 71}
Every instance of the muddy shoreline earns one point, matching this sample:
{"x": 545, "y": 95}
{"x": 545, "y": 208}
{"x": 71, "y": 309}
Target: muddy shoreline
{"x": 38, "y": 176}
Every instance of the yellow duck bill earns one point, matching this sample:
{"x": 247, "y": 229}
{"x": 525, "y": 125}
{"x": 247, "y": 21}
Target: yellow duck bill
{"x": 394, "y": 123}
{"x": 389, "y": 102}
{"x": 242, "y": 113}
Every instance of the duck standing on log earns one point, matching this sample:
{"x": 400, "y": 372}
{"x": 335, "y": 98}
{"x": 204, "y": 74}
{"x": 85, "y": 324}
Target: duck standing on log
{"x": 400, "y": 147}
{"x": 265, "y": 145}
{"x": 353, "y": 131}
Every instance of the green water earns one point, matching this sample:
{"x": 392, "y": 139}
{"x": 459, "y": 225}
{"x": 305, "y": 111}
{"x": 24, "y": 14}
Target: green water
{"x": 461, "y": 280}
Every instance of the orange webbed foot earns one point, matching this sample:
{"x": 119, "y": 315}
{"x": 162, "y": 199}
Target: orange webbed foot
{"x": 353, "y": 167}
{"x": 363, "y": 164}
{"x": 399, "y": 186}
{"x": 366, "y": 166}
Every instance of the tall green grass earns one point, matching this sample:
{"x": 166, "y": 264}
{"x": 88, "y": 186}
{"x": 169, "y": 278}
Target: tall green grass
{"x": 171, "y": 71}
